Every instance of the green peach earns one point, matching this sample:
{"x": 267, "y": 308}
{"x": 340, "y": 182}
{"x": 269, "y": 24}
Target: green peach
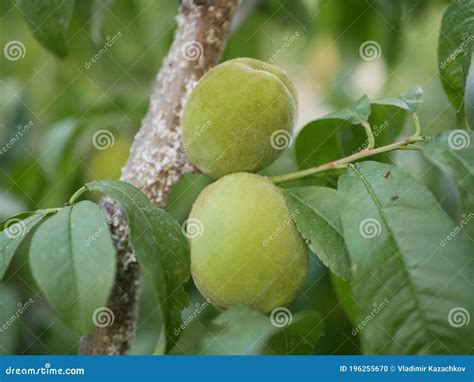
{"x": 248, "y": 250}
{"x": 238, "y": 117}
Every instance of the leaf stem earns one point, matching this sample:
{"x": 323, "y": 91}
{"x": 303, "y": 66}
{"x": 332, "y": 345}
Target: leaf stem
{"x": 340, "y": 163}
{"x": 76, "y": 195}
{"x": 416, "y": 122}
{"x": 370, "y": 135}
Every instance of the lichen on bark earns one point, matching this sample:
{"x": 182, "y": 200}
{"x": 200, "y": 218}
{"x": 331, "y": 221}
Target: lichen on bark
{"x": 156, "y": 158}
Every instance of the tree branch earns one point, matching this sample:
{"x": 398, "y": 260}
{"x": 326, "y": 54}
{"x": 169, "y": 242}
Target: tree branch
{"x": 156, "y": 158}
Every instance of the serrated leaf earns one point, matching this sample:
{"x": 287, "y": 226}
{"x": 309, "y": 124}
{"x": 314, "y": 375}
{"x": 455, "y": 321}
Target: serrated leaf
{"x": 14, "y": 230}
{"x": 72, "y": 259}
{"x": 161, "y": 249}
{"x": 316, "y": 211}
{"x": 244, "y": 331}
{"x": 49, "y": 22}
{"x": 404, "y": 279}
{"x": 454, "y": 49}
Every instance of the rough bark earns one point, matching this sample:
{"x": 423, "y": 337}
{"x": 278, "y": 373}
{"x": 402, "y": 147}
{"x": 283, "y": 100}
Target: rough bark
{"x": 156, "y": 159}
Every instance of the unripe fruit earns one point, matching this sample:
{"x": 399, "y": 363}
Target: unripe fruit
{"x": 248, "y": 250}
{"x": 237, "y": 117}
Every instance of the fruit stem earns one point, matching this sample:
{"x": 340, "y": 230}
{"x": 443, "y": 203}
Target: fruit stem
{"x": 76, "y": 195}
{"x": 340, "y": 163}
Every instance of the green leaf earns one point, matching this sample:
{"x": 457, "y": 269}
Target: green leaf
{"x": 244, "y": 331}
{"x": 99, "y": 11}
{"x": 184, "y": 193}
{"x": 343, "y": 290}
{"x": 284, "y": 164}
{"x": 58, "y": 144}
{"x": 161, "y": 249}
{"x": 20, "y": 216}
{"x": 49, "y": 22}
{"x": 356, "y": 113}
{"x": 14, "y": 230}
{"x": 316, "y": 211}
{"x": 10, "y": 322}
{"x": 454, "y": 49}
{"x": 453, "y": 152}
{"x": 409, "y": 100}
{"x": 319, "y": 142}
{"x": 388, "y": 17}
{"x": 407, "y": 285}
{"x": 332, "y": 136}
{"x": 389, "y": 115}
{"x": 72, "y": 259}
{"x": 61, "y": 152}
{"x": 469, "y": 97}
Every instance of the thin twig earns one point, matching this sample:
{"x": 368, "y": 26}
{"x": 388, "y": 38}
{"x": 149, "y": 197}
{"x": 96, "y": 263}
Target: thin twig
{"x": 404, "y": 144}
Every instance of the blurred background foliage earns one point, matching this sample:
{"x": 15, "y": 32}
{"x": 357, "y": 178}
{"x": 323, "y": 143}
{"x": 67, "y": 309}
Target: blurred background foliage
{"x": 67, "y": 100}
